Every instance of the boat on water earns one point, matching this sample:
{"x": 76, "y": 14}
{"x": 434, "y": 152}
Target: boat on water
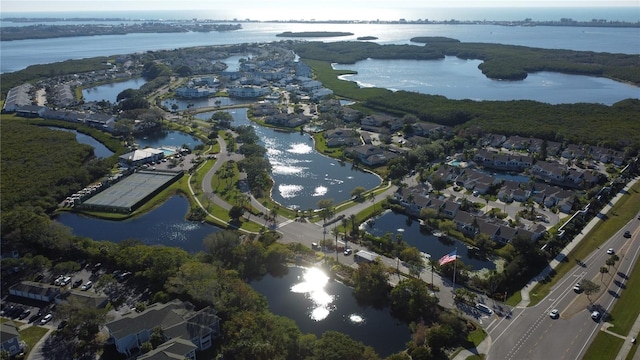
{"x": 438, "y": 234}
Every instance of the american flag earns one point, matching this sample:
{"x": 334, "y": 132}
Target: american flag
{"x": 448, "y": 258}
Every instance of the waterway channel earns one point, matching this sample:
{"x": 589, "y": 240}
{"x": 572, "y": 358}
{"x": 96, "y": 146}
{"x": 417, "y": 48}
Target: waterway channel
{"x": 99, "y": 150}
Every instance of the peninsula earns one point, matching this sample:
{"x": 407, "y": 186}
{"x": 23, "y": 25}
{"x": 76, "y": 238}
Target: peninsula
{"x": 40, "y": 31}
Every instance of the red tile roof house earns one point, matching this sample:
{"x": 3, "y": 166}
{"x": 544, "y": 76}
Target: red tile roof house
{"x": 177, "y": 320}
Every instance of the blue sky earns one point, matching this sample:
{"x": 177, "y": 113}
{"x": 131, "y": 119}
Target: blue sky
{"x": 292, "y": 9}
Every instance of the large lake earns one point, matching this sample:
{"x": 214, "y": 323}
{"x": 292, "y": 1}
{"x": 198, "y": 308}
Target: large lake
{"x": 460, "y": 79}
{"x": 318, "y": 304}
{"x": 16, "y": 55}
{"x": 303, "y": 176}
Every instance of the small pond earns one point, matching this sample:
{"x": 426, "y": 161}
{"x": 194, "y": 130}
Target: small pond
{"x": 186, "y": 104}
{"x": 173, "y": 139}
{"x": 318, "y": 304}
{"x": 109, "y": 92}
{"x": 413, "y": 235}
{"x": 165, "y": 225}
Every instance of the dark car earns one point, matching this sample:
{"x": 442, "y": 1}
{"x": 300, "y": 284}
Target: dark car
{"x": 62, "y": 324}
{"x": 627, "y": 234}
{"x": 77, "y": 283}
{"x": 24, "y": 314}
{"x": 36, "y": 316}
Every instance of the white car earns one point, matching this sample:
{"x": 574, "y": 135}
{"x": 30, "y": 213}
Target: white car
{"x": 554, "y": 314}
{"x": 86, "y": 286}
{"x": 484, "y": 308}
{"x": 46, "y": 319}
{"x": 595, "y": 315}
{"x": 610, "y": 251}
{"x": 577, "y": 288}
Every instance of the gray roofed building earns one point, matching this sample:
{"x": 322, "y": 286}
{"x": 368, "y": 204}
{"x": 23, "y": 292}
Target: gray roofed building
{"x": 17, "y": 96}
{"x": 177, "y": 320}
{"x": 174, "y": 349}
{"x": 30, "y": 111}
{"x": 35, "y": 290}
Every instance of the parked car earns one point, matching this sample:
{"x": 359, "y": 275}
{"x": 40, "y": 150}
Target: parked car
{"x": 347, "y": 252}
{"x": 62, "y": 324}
{"x": 484, "y": 308}
{"x": 15, "y": 312}
{"x": 77, "y": 283}
{"x": 125, "y": 275}
{"x": 46, "y": 319}
{"x": 24, "y": 314}
{"x": 36, "y": 316}
{"x": 86, "y": 286}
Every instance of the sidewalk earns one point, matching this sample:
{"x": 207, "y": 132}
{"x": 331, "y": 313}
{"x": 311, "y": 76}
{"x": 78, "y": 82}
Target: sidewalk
{"x": 563, "y": 254}
{"x": 626, "y": 347}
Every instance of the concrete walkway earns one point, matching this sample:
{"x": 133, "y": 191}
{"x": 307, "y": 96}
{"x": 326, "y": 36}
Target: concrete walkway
{"x": 626, "y": 347}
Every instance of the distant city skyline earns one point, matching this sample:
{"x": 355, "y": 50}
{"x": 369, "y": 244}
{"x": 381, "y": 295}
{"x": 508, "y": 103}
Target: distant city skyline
{"x": 295, "y": 10}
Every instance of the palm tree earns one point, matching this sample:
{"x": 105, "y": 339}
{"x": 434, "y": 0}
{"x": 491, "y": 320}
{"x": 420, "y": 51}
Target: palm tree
{"x": 610, "y": 262}
{"x": 432, "y": 263}
{"x": 603, "y": 270}
{"x": 352, "y": 217}
{"x": 336, "y": 232}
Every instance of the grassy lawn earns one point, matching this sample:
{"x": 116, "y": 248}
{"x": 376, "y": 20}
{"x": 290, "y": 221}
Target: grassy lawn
{"x": 477, "y": 335}
{"x": 604, "y": 346}
{"x": 627, "y": 308}
{"x": 623, "y": 211}
{"x": 32, "y": 335}
{"x": 514, "y": 299}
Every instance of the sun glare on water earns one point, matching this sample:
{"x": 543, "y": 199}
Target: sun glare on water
{"x": 312, "y": 285}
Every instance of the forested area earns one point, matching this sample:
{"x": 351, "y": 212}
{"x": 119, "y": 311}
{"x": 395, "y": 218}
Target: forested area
{"x": 41, "y": 166}
{"x": 575, "y": 123}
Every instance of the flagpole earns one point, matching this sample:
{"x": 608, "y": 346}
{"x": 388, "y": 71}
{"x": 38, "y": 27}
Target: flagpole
{"x": 455, "y": 261}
